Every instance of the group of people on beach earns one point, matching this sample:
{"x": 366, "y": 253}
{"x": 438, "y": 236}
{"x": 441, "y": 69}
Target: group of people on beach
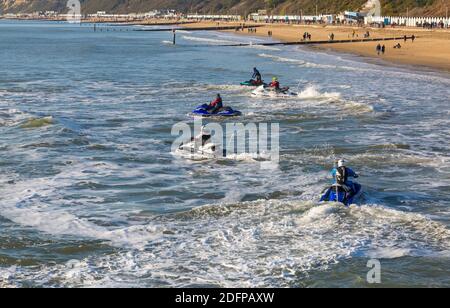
{"x": 381, "y": 49}
{"x": 240, "y": 28}
{"x": 413, "y": 38}
{"x": 433, "y": 25}
{"x": 307, "y": 36}
{"x": 356, "y": 35}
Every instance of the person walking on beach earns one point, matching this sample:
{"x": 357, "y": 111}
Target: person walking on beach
{"x": 383, "y": 49}
{"x": 413, "y": 38}
{"x": 378, "y": 49}
{"x": 306, "y": 36}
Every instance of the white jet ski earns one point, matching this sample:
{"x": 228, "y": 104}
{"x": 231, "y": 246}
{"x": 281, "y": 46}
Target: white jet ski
{"x": 201, "y": 147}
{"x": 263, "y": 91}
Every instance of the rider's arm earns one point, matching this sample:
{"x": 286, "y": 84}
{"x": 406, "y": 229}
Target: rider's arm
{"x": 352, "y": 173}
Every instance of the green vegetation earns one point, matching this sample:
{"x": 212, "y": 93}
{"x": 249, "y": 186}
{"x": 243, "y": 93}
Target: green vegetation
{"x": 243, "y": 7}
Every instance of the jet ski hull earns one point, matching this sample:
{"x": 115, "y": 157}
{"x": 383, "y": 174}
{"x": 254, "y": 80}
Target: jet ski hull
{"x": 341, "y": 194}
{"x": 264, "y": 91}
{"x": 252, "y": 83}
{"x": 197, "y": 150}
{"x": 225, "y": 112}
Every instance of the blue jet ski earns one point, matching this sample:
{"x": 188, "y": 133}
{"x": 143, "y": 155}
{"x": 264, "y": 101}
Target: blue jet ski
{"x": 342, "y": 194}
{"x": 224, "y": 112}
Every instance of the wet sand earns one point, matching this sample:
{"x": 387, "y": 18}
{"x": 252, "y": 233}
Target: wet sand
{"x": 430, "y": 49}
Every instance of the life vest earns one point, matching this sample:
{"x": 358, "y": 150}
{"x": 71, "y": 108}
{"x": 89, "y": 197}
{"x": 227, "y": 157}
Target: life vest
{"x": 275, "y": 84}
{"x": 217, "y": 101}
{"x": 341, "y": 175}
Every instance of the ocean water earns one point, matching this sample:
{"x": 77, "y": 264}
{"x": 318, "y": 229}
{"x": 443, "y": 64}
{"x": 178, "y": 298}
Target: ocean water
{"x": 91, "y": 195}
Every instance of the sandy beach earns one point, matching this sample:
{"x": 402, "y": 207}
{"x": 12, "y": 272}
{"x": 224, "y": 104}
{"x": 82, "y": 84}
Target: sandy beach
{"x": 431, "y": 49}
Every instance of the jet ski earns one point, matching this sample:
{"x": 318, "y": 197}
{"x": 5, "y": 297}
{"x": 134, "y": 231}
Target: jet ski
{"x": 264, "y": 91}
{"x": 201, "y": 147}
{"x": 253, "y": 83}
{"x": 342, "y": 193}
{"x": 202, "y": 110}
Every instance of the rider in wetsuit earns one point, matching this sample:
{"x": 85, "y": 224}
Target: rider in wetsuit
{"x": 256, "y": 78}
{"x": 341, "y": 175}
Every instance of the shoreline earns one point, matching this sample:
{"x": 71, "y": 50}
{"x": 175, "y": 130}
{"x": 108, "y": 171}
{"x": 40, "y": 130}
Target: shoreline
{"x": 430, "y": 50}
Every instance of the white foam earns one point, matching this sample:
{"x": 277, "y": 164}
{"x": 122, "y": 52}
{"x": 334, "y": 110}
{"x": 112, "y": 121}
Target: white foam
{"x": 249, "y": 157}
{"x": 282, "y": 59}
{"x": 388, "y": 253}
{"x": 318, "y": 213}
{"x": 297, "y": 61}
{"x": 235, "y": 88}
{"x": 262, "y": 47}
{"x": 208, "y": 40}
{"x": 26, "y": 206}
{"x": 252, "y": 244}
{"x": 311, "y": 92}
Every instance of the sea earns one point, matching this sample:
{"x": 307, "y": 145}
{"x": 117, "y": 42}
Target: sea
{"x": 92, "y": 194}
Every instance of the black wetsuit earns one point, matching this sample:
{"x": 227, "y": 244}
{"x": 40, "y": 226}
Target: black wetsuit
{"x": 257, "y": 75}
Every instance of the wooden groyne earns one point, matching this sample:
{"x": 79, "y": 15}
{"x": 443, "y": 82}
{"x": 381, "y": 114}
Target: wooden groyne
{"x": 200, "y": 28}
{"x": 321, "y": 42}
{"x": 180, "y": 23}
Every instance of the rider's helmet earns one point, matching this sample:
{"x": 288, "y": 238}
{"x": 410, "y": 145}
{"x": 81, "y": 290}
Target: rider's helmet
{"x": 204, "y": 131}
{"x": 341, "y": 163}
